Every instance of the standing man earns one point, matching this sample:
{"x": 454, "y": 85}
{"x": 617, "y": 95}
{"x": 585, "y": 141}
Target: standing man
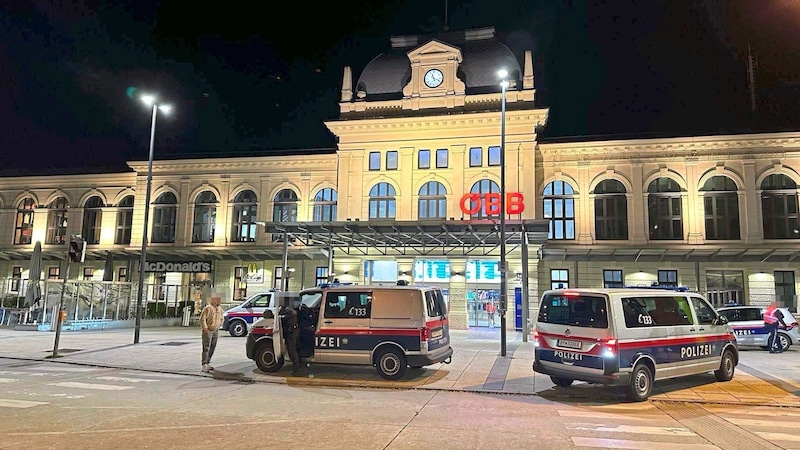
{"x": 210, "y": 321}
{"x": 490, "y": 310}
{"x": 772, "y": 318}
{"x": 291, "y": 330}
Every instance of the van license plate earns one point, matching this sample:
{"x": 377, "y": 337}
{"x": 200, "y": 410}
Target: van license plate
{"x": 569, "y": 343}
{"x": 436, "y": 334}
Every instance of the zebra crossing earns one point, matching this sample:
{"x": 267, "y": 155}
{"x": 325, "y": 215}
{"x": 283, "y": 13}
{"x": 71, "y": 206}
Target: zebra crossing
{"x": 31, "y": 385}
{"x": 645, "y": 426}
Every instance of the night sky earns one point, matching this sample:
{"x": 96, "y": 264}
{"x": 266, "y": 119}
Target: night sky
{"x": 259, "y": 77}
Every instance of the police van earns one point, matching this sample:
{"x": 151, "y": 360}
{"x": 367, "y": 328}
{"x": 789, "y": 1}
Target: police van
{"x": 630, "y": 337}
{"x": 388, "y": 327}
{"x": 238, "y": 320}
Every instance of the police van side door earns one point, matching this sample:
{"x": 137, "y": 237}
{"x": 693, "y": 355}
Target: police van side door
{"x": 343, "y": 334}
{"x": 712, "y": 335}
{"x": 682, "y": 331}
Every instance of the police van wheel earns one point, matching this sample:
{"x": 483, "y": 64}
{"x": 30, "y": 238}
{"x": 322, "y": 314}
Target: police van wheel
{"x": 265, "y": 358}
{"x": 726, "y": 367}
{"x": 391, "y": 364}
{"x": 237, "y": 328}
{"x": 641, "y": 383}
{"x": 563, "y": 382}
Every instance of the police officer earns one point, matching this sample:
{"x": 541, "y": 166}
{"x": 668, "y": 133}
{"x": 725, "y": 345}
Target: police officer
{"x": 290, "y": 332}
{"x": 772, "y": 317}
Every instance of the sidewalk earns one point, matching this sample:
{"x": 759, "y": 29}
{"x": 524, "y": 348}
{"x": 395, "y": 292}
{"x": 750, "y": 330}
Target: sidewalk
{"x": 476, "y": 366}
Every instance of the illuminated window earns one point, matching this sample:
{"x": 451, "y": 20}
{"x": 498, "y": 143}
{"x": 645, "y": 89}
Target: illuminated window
{"x": 164, "y": 213}
{"x": 244, "y": 217}
{"x": 610, "y": 211}
{"x": 612, "y": 279}
{"x": 239, "y": 283}
{"x": 205, "y": 217}
{"x": 664, "y": 209}
{"x": 779, "y": 207}
{"x": 559, "y": 278}
{"x": 57, "y": 221}
{"x": 559, "y": 209}
{"x": 721, "y": 208}
{"x": 23, "y": 229}
{"x": 124, "y": 221}
{"x": 92, "y": 219}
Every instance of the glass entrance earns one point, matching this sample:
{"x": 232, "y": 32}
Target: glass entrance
{"x": 482, "y": 307}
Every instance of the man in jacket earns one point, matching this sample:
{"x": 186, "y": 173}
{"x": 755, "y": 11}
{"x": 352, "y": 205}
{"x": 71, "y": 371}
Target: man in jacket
{"x": 290, "y": 333}
{"x": 772, "y": 318}
{"x": 210, "y": 321}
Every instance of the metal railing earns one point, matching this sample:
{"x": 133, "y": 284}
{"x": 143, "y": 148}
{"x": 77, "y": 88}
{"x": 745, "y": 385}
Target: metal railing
{"x": 98, "y": 300}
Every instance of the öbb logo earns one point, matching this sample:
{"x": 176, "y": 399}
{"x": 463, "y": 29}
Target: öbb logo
{"x": 472, "y": 203}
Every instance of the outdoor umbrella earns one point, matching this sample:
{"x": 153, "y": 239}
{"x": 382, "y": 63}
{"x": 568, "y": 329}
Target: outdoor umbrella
{"x": 34, "y": 292}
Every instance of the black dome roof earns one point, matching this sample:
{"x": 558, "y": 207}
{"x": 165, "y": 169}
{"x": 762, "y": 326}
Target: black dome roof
{"x": 482, "y": 56}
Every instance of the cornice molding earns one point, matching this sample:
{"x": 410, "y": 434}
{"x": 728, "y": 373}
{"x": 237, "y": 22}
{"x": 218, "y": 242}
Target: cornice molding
{"x": 304, "y": 162}
{"x": 536, "y": 117}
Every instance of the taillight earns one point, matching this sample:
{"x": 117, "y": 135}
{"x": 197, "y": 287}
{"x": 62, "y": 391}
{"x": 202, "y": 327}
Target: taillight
{"x": 610, "y": 348}
{"x": 425, "y": 333}
{"x": 535, "y": 335}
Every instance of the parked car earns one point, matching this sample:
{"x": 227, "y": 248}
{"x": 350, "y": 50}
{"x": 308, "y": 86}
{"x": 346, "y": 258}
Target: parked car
{"x": 748, "y": 326}
{"x": 238, "y": 320}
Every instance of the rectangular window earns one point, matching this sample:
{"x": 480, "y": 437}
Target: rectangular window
{"x": 159, "y": 285}
{"x": 586, "y": 311}
{"x": 88, "y": 273}
{"x": 475, "y": 157}
{"x": 441, "y": 158}
{"x": 16, "y": 278}
{"x": 239, "y": 283}
{"x": 424, "y": 159}
{"x": 668, "y": 278}
{"x": 612, "y": 279}
{"x": 494, "y": 156}
{"x": 321, "y": 276}
{"x": 278, "y": 277}
{"x": 559, "y": 279}
{"x": 374, "y": 160}
{"x": 645, "y": 312}
{"x": 724, "y": 287}
{"x": 391, "y": 160}
{"x": 53, "y": 273}
{"x": 348, "y": 305}
{"x": 122, "y": 275}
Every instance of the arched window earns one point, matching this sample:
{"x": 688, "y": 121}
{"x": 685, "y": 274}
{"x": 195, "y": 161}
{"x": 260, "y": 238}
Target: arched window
{"x": 205, "y": 217}
{"x": 124, "y": 221}
{"x": 664, "y": 209}
{"x": 721, "y": 208}
{"x": 284, "y": 208}
{"x": 610, "y": 211}
{"x": 244, "y": 217}
{"x": 92, "y": 219}
{"x": 57, "y": 221}
{"x": 23, "y": 225}
{"x": 164, "y": 214}
{"x": 325, "y": 205}
{"x": 482, "y": 188}
{"x": 779, "y": 207}
{"x": 382, "y": 202}
{"x": 432, "y": 201}
{"x": 559, "y": 208}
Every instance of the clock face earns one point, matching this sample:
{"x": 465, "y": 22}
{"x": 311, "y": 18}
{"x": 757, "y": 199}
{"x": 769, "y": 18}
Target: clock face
{"x": 433, "y": 78}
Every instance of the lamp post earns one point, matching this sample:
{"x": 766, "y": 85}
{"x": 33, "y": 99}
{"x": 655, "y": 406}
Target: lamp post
{"x": 150, "y": 101}
{"x": 503, "y": 75}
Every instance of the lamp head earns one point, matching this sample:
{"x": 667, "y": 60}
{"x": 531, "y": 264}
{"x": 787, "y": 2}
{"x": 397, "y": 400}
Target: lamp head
{"x": 148, "y": 99}
{"x": 502, "y": 74}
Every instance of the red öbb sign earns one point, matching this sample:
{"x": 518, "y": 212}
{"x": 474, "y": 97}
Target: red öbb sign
{"x": 472, "y": 203}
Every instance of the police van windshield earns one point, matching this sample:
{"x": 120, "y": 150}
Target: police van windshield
{"x": 574, "y": 310}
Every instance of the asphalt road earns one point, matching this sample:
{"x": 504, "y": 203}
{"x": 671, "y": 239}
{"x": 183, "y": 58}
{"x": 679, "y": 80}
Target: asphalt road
{"x": 51, "y": 405}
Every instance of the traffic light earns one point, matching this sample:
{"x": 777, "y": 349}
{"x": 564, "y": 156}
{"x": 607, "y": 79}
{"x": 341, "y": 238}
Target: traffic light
{"x": 77, "y": 249}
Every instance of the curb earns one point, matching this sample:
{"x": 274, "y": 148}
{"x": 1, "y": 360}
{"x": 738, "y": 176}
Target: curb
{"x": 293, "y": 381}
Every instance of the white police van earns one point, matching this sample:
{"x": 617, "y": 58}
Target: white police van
{"x": 747, "y": 323}
{"x": 238, "y": 320}
{"x": 630, "y": 337}
{"x": 388, "y": 327}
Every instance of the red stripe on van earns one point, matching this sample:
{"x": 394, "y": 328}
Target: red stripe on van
{"x": 596, "y": 350}
{"x": 259, "y": 331}
{"x": 436, "y": 323}
{"x": 370, "y": 332}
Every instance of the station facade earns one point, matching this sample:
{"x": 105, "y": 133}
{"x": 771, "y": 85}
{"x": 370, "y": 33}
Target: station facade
{"x": 419, "y": 141}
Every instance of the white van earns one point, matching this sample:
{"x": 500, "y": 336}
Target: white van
{"x": 388, "y": 327}
{"x": 630, "y": 337}
{"x": 238, "y": 320}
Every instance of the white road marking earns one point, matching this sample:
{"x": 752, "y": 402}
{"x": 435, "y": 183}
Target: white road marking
{"x": 28, "y": 374}
{"x": 778, "y": 436}
{"x": 754, "y": 412}
{"x": 127, "y": 380}
{"x": 8, "y": 380}
{"x": 154, "y": 374}
{"x": 98, "y": 387}
{"x": 613, "y": 416}
{"x": 64, "y": 368}
{"x": 9, "y": 403}
{"x": 753, "y": 422}
{"x": 662, "y": 431}
{"x": 145, "y": 429}
{"x": 626, "y": 406}
{"x": 639, "y": 445}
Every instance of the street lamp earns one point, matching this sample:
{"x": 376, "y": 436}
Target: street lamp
{"x": 148, "y": 100}
{"x": 503, "y": 75}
